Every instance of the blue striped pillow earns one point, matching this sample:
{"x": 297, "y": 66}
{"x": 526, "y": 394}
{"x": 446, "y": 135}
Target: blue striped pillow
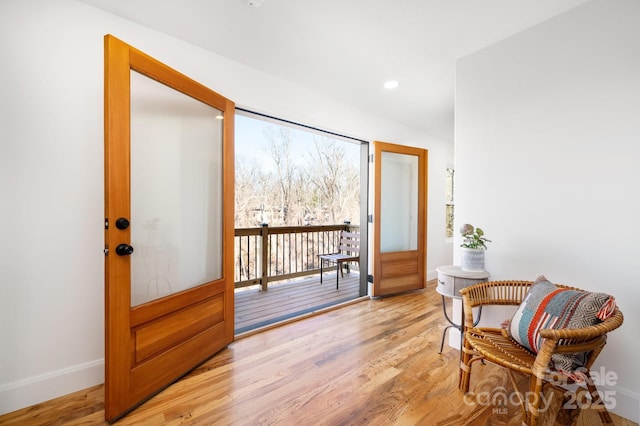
{"x": 549, "y": 306}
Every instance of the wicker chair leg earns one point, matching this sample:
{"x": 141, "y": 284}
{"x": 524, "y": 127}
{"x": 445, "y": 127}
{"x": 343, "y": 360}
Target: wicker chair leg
{"x": 533, "y": 400}
{"x": 514, "y": 384}
{"x": 465, "y": 368}
{"x": 597, "y": 404}
{"x": 465, "y": 373}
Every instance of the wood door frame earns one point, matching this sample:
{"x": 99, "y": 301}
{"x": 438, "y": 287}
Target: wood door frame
{"x": 403, "y": 258}
{"x": 122, "y": 371}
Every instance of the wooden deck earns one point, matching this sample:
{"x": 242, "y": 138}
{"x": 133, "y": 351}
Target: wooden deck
{"x": 283, "y": 301}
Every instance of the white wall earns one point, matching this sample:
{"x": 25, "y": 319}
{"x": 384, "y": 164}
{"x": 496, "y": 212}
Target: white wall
{"x": 546, "y": 152}
{"x": 51, "y": 180}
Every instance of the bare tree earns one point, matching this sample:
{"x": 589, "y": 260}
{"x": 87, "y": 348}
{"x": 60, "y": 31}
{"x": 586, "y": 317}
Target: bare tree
{"x": 250, "y": 189}
{"x": 319, "y": 186}
{"x": 335, "y": 183}
{"x": 279, "y": 139}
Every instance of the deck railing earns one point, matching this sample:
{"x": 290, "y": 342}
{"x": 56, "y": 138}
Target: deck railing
{"x": 268, "y": 254}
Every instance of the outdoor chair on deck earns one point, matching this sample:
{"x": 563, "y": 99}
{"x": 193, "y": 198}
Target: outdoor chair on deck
{"x": 348, "y": 251}
{"x": 534, "y": 343}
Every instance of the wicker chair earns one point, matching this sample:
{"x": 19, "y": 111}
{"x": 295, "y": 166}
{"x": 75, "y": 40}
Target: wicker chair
{"x": 493, "y": 345}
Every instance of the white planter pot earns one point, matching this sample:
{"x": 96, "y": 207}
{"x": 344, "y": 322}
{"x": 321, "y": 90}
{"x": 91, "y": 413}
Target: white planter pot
{"x": 472, "y": 260}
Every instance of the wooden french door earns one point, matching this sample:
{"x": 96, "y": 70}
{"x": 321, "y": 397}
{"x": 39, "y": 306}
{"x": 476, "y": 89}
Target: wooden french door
{"x": 400, "y": 218}
{"x": 168, "y": 225}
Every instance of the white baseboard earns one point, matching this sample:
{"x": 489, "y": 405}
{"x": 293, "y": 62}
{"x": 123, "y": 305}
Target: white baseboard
{"x": 627, "y": 403}
{"x": 432, "y": 275}
{"x": 36, "y": 389}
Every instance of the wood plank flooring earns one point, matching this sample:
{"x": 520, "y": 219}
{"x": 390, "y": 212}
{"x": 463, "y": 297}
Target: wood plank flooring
{"x": 284, "y": 300}
{"x": 374, "y": 362}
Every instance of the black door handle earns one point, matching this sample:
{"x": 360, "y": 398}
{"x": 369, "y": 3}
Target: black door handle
{"x": 122, "y": 223}
{"x": 124, "y": 250}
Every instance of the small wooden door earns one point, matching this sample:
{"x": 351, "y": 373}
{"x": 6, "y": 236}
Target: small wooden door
{"x": 399, "y": 218}
{"x": 168, "y": 225}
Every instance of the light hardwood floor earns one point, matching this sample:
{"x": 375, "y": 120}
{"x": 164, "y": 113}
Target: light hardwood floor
{"x": 374, "y": 362}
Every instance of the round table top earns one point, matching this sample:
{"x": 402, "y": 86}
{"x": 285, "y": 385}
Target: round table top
{"x": 456, "y": 271}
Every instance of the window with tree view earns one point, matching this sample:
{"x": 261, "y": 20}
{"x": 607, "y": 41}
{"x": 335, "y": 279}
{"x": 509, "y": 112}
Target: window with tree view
{"x": 288, "y": 176}
{"x": 449, "y": 203}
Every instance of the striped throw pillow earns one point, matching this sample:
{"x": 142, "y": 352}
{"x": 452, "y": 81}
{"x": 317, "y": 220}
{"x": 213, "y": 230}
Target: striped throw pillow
{"x": 548, "y": 306}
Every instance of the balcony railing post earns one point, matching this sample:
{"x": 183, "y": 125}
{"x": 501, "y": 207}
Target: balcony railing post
{"x": 264, "y": 278}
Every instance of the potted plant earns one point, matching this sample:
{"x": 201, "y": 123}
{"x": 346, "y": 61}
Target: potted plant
{"x": 473, "y": 247}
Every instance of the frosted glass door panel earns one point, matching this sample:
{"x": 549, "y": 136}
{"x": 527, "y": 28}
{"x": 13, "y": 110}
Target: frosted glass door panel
{"x": 176, "y": 191}
{"x": 399, "y": 202}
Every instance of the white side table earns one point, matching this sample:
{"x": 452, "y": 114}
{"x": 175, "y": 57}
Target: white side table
{"x": 451, "y": 279}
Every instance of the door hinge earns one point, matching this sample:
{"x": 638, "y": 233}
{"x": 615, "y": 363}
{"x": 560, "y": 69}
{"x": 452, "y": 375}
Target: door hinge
{"x": 106, "y": 250}
{"x": 370, "y": 218}
{"x": 371, "y": 158}
{"x": 106, "y": 223}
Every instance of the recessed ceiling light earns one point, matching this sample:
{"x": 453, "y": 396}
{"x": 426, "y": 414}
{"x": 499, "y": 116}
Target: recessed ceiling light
{"x": 254, "y": 3}
{"x": 391, "y": 84}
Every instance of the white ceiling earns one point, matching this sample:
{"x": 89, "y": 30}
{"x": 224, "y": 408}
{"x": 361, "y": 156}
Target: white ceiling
{"x": 347, "y": 49}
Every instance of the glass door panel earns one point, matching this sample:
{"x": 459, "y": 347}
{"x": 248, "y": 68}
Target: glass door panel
{"x": 399, "y": 202}
{"x": 176, "y": 191}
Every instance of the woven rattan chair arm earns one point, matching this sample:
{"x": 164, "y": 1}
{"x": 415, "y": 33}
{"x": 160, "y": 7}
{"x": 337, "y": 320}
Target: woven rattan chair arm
{"x": 611, "y": 323}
